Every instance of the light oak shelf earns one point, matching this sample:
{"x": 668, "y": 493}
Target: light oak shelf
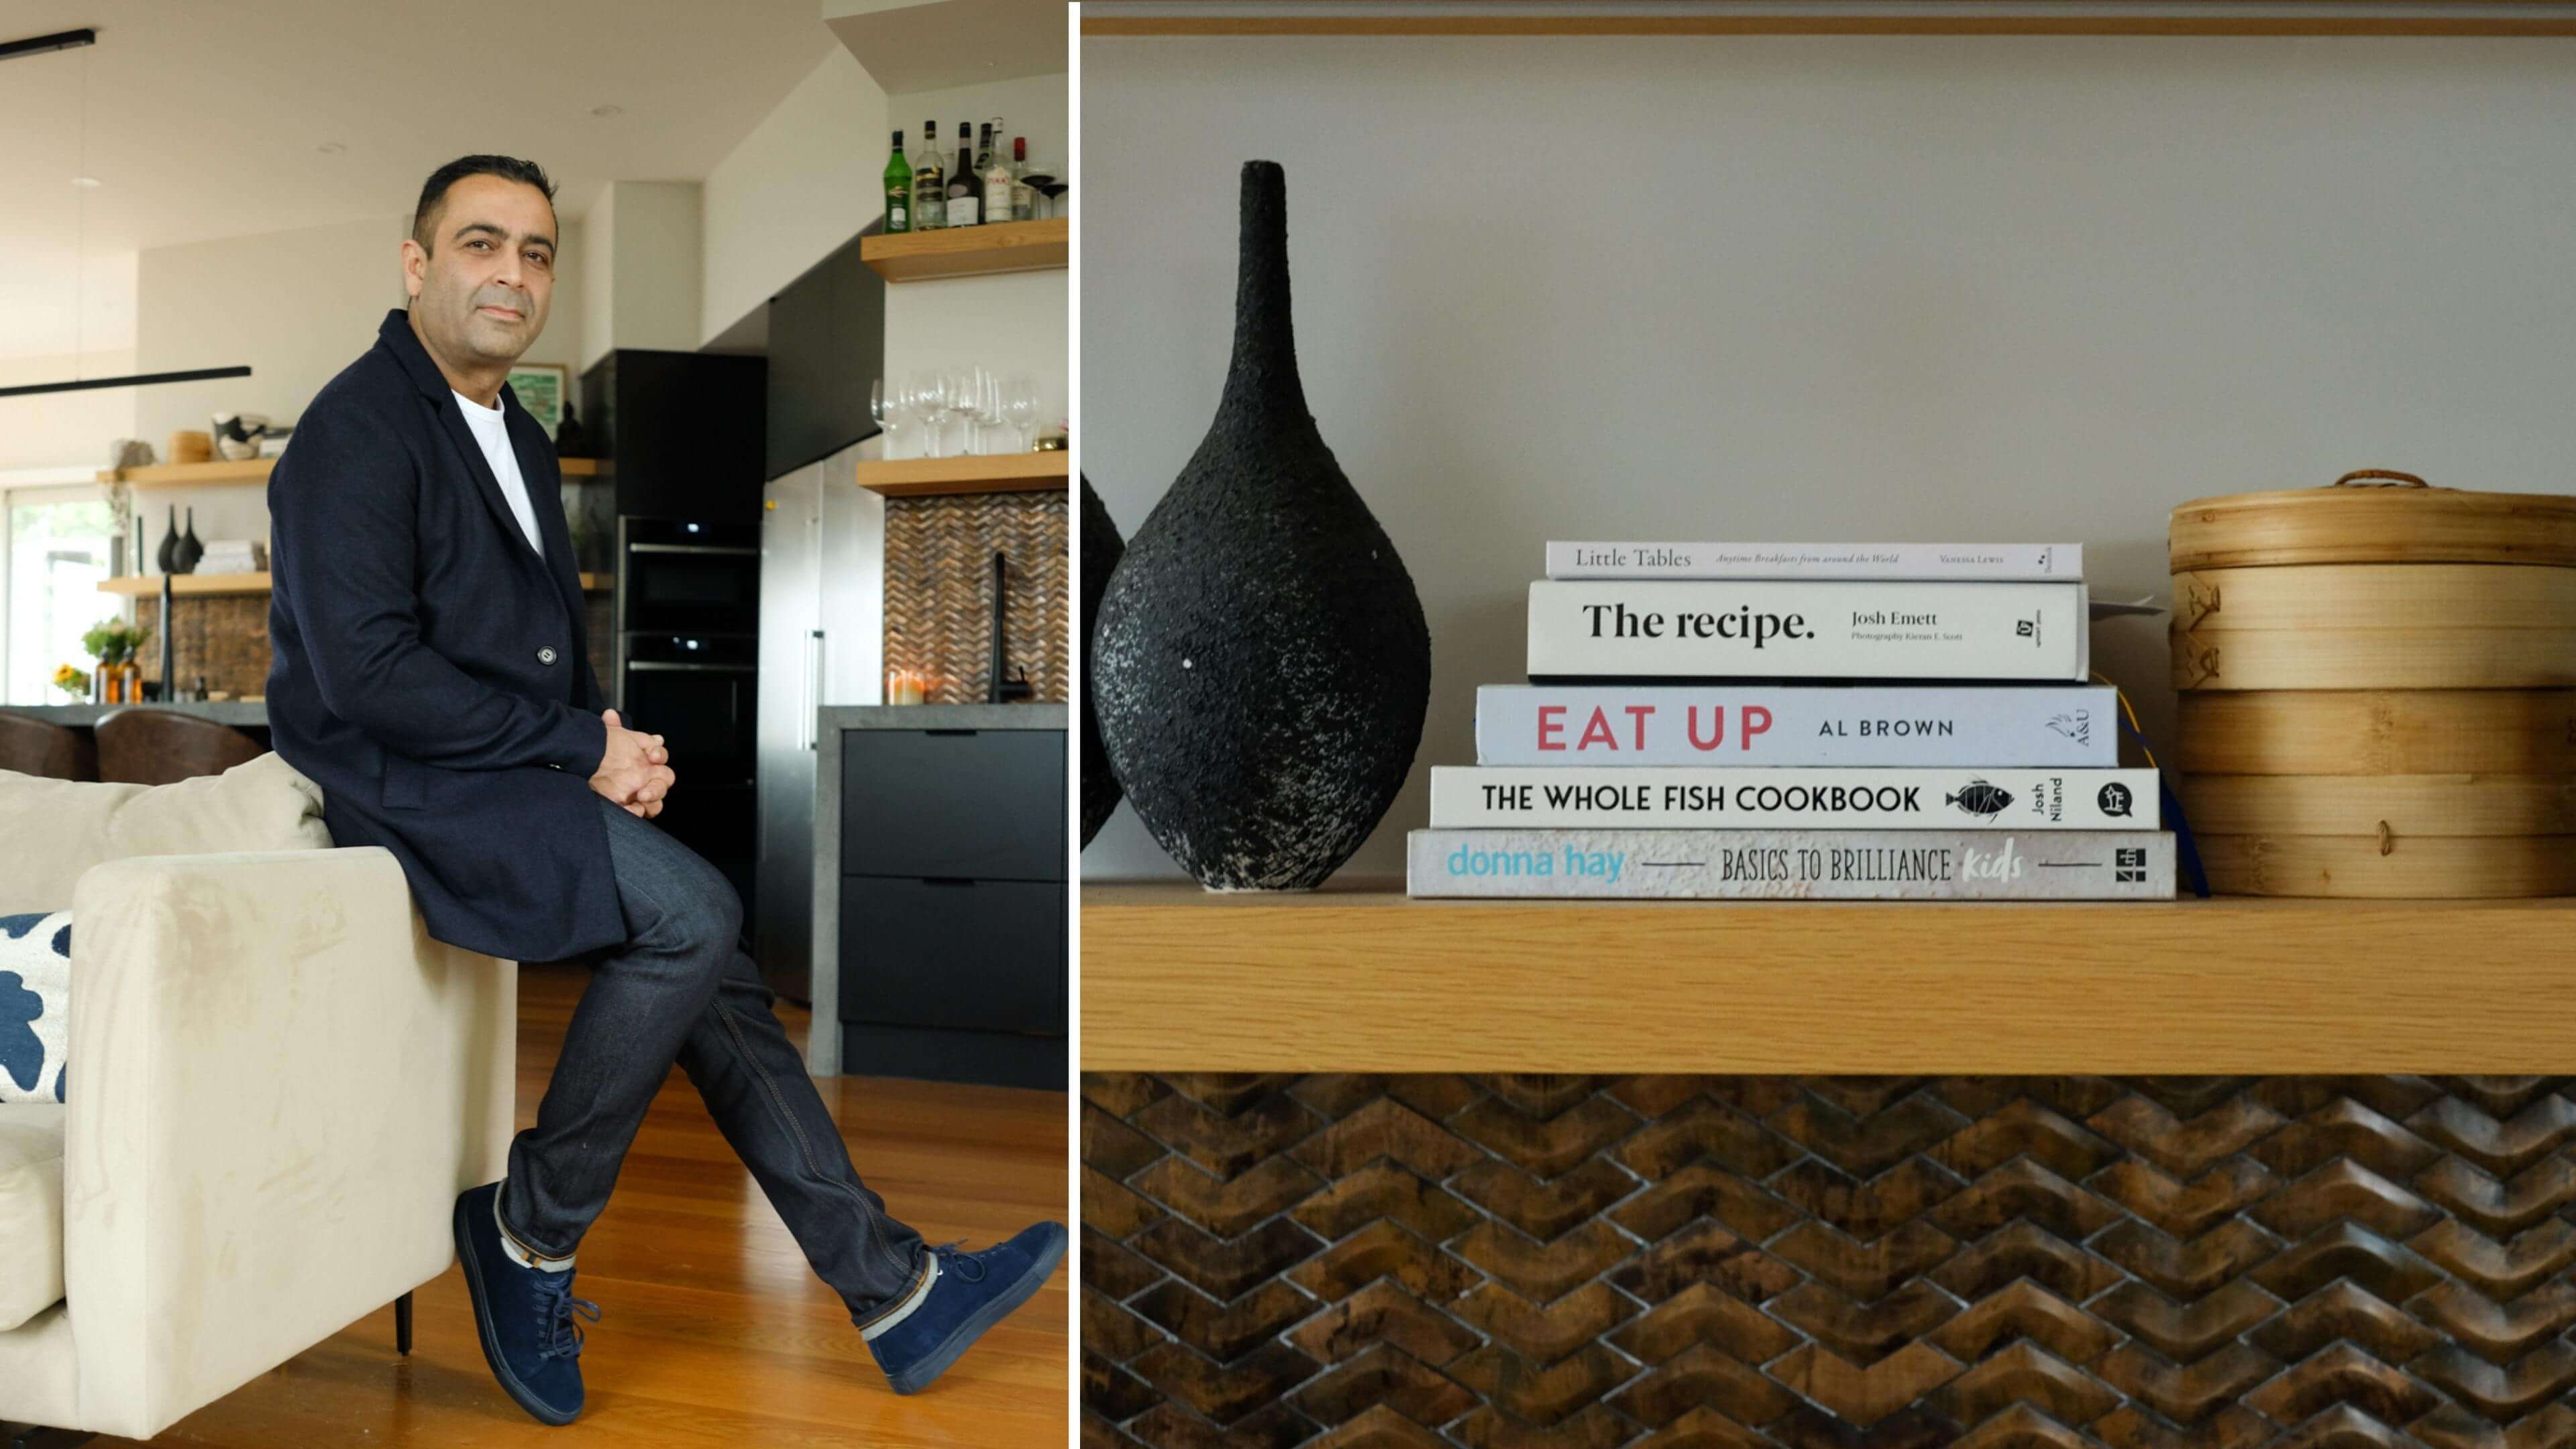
{"x": 149, "y": 585}
{"x": 1358, "y": 977}
{"x": 980, "y": 473}
{"x": 255, "y": 470}
{"x": 2537, "y": 18}
{"x": 970, "y": 251}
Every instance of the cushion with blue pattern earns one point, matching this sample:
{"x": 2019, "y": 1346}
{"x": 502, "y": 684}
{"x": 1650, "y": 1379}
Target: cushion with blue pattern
{"x": 35, "y": 1004}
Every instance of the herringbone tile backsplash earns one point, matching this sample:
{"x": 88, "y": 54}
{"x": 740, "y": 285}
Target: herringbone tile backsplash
{"x": 1657, "y": 1261}
{"x": 939, "y": 591}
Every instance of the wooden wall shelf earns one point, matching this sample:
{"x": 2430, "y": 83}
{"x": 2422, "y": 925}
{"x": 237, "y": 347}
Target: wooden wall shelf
{"x": 255, "y": 470}
{"x": 1358, "y": 977}
{"x": 148, "y": 586}
{"x": 982, "y": 473}
{"x": 970, "y": 251}
{"x": 1823, "y": 17}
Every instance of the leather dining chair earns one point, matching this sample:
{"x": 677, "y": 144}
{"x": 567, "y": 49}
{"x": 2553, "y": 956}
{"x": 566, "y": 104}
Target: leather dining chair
{"x": 148, "y": 746}
{"x": 33, "y": 746}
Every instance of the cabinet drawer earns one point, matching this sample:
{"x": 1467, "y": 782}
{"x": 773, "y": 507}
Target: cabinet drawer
{"x": 986, "y": 804}
{"x": 983, "y": 954}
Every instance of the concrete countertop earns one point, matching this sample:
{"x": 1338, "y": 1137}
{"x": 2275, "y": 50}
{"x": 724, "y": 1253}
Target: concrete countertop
{"x": 823, "y": 1038}
{"x": 223, "y": 711}
{"x": 942, "y": 716}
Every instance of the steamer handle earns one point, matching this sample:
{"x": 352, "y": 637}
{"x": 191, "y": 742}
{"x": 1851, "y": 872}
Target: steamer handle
{"x": 2403, "y": 480}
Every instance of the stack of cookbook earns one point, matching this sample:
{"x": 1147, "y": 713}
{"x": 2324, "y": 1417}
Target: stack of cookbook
{"x": 1845, "y": 721}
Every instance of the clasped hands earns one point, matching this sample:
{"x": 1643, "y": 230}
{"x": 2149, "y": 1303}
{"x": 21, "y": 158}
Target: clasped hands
{"x": 634, "y": 772}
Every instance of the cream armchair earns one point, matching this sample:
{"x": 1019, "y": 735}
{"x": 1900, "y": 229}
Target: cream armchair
{"x": 277, "y": 1083}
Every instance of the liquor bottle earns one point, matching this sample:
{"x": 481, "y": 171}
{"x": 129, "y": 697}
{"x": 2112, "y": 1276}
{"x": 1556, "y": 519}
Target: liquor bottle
{"x": 898, "y": 193}
{"x": 961, "y": 182}
{"x": 997, "y": 179}
{"x": 929, "y": 187}
{"x": 1024, "y": 198}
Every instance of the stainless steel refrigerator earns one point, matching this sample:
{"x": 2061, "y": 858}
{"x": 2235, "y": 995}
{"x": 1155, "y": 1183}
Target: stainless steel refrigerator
{"x": 822, "y": 642}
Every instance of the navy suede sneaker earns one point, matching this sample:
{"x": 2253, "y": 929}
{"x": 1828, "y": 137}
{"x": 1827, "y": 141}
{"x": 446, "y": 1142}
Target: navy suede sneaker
{"x": 971, "y": 1293}
{"x": 524, "y": 1315}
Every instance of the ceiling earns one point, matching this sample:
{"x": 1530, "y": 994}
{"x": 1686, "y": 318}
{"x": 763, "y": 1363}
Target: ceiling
{"x": 928, "y": 45}
{"x": 209, "y": 120}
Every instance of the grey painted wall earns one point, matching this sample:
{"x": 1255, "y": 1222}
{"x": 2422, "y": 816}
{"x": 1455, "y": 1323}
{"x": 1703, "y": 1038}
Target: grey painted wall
{"x": 1834, "y": 288}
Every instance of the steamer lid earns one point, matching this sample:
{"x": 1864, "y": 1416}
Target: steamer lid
{"x": 2374, "y": 515}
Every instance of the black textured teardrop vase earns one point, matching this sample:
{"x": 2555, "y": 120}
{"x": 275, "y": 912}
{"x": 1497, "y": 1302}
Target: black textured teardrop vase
{"x": 190, "y": 550}
{"x": 1261, "y": 665}
{"x": 1101, "y": 549}
{"x": 169, "y": 553}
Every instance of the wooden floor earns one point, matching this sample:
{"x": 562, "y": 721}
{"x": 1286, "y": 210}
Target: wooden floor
{"x": 714, "y": 1330}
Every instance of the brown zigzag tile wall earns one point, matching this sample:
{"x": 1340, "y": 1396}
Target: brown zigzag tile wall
{"x": 225, "y": 638}
{"x": 939, "y": 591}
{"x": 1350, "y": 1262}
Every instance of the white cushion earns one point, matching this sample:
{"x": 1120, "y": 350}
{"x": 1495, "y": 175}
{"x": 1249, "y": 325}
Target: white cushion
{"x": 35, "y": 1005}
{"x": 53, "y": 831}
{"x": 31, "y": 1210}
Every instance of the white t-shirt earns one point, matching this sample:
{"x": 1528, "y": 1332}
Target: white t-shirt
{"x": 491, "y": 429}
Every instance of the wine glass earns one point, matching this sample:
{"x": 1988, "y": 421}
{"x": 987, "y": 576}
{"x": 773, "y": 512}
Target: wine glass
{"x": 921, "y": 394}
{"x": 957, "y": 396}
{"x": 886, "y": 406}
{"x": 1020, "y": 406}
{"x": 988, "y": 403}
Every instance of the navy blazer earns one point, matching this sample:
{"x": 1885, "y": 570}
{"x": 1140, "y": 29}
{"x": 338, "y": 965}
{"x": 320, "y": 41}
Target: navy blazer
{"x": 430, "y": 671}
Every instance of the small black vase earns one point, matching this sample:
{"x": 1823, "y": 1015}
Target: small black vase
{"x": 169, "y": 553}
{"x": 1101, "y": 549}
{"x": 1261, "y": 665}
{"x": 185, "y": 557}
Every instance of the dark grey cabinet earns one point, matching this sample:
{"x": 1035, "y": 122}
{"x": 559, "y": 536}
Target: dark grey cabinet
{"x": 952, "y": 803}
{"x": 953, "y": 904}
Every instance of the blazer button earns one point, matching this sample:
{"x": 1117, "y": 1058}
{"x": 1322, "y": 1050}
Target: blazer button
{"x": 546, "y": 655}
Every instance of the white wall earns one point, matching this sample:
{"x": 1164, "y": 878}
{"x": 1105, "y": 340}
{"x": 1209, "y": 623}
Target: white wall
{"x": 642, "y": 269}
{"x": 297, "y": 306}
{"x": 1833, "y": 287}
{"x": 806, "y": 179}
{"x": 53, "y": 429}
{"x": 1015, "y": 322}
{"x": 50, "y": 337}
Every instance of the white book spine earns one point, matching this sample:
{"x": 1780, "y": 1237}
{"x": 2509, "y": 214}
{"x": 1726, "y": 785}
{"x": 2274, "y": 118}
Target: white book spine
{"x": 1990, "y": 562}
{"x": 1687, "y": 798}
{"x": 1913, "y": 865}
{"x": 1772, "y": 630}
{"x": 2075, "y": 726}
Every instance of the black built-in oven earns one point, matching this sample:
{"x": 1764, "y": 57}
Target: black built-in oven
{"x": 698, "y": 574}
{"x": 688, "y": 669}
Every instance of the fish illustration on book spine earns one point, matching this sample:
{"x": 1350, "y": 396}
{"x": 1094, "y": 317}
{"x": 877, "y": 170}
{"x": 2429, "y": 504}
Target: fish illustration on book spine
{"x": 1982, "y": 799}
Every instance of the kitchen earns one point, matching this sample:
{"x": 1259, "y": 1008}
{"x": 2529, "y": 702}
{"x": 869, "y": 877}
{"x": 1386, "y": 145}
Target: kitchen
{"x": 771, "y": 550}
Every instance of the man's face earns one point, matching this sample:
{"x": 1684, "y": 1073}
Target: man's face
{"x": 481, "y": 291}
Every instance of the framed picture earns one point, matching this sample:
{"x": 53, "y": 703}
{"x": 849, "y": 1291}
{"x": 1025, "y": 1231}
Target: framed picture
{"x": 540, "y": 386}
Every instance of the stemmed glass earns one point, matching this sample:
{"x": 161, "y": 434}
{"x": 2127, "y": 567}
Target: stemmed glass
{"x": 921, "y": 399}
{"x": 988, "y": 406}
{"x": 886, "y": 404}
{"x": 957, "y": 397}
{"x": 1020, "y": 406}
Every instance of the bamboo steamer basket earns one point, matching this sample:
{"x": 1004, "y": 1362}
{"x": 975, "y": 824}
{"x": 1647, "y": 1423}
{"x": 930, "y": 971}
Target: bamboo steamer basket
{"x": 2377, "y": 689}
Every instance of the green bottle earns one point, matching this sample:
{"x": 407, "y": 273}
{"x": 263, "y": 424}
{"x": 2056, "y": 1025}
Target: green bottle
{"x": 898, "y": 190}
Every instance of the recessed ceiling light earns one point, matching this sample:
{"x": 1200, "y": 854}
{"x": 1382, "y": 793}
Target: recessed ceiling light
{"x": 330, "y": 148}
{"x": 606, "y": 110}
{"x": 87, "y": 183}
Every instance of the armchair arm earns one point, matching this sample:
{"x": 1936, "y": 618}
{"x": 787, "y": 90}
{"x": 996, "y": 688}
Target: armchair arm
{"x": 278, "y": 1083}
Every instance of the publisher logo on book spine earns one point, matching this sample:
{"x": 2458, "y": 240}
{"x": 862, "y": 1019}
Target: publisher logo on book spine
{"x": 2028, "y": 629}
{"x": 2114, "y": 799}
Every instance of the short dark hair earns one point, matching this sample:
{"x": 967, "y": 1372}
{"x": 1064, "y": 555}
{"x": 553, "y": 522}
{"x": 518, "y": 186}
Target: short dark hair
{"x": 433, "y": 192}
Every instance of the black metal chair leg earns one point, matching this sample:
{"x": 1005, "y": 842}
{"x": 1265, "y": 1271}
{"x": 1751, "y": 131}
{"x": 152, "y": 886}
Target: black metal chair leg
{"x": 402, "y": 1324}
{"x": 32, "y": 1437}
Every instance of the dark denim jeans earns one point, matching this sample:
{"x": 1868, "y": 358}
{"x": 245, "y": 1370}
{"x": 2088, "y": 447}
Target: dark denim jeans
{"x": 684, "y": 987}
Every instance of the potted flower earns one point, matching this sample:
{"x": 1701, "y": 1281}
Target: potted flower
{"x": 116, "y": 645}
{"x": 72, "y": 680}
